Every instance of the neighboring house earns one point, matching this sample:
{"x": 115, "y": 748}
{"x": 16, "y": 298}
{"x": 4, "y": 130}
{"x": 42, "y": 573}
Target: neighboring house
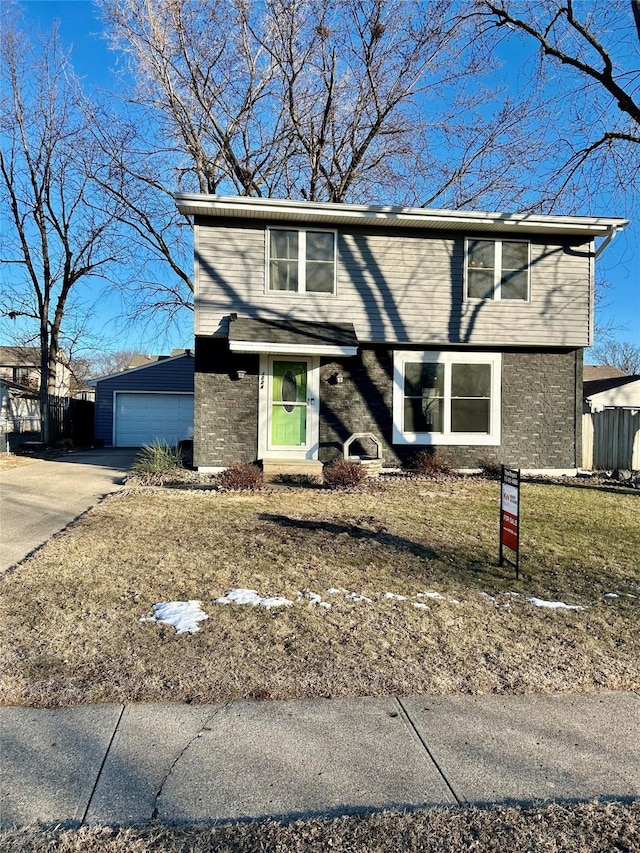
{"x": 19, "y": 412}
{"x": 22, "y": 366}
{"x": 429, "y": 329}
{"x": 153, "y": 401}
{"x": 602, "y": 390}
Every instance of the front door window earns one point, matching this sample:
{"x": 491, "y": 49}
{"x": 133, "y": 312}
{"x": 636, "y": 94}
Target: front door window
{"x": 289, "y": 404}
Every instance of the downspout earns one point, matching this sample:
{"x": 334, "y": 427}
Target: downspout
{"x": 612, "y": 230}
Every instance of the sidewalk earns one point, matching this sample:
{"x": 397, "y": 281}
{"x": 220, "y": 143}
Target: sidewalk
{"x": 130, "y": 764}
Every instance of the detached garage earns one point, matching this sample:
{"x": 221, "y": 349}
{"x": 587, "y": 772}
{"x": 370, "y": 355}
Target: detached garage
{"x": 153, "y": 402}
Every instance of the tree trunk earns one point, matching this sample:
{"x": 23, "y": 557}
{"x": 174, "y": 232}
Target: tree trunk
{"x": 45, "y": 429}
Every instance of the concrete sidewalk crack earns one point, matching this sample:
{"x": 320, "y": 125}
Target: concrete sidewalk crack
{"x": 101, "y": 768}
{"x": 410, "y": 724}
{"x": 167, "y": 775}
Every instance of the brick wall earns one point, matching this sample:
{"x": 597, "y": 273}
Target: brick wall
{"x": 541, "y": 401}
{"x": 541, "y": 404}
{"x": 226, "y": 408}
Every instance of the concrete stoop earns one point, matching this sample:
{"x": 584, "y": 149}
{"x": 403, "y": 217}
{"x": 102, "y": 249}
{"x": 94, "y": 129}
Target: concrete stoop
{"x": 274, "y": 468}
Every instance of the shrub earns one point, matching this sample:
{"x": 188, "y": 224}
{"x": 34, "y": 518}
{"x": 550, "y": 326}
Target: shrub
{"x": 157, "y": 459}
{"x": 491, "y": 469}
{"x": 432, "y": 463}
{"x": 343, "y": 474}
{"x": 241, "y": 476}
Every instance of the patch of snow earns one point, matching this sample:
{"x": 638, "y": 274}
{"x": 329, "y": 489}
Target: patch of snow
{"x": 314, "y": 598}
{"x": 333, "y": 591}
{"x": 628, "y": 594}
{"x": 611, "y": 595}
{"x": 430, "y": 595}
{"x": 554, "y": 605}
{"x": 421, "y": 606}
{"x": 354, "y": 596}
{"x": 394, "y": 597}
{"x": 183, "y": 615}
{"x": 275, "y": 602}
{"x": 453, "y": 601}
{"x": 488, "y": 597}
{"x": 250, "y": 596}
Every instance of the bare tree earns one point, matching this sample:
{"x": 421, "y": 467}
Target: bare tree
{"x": 55, "y": 229}
{"x": 326, "y": 100}
{"x": 587, "y": 83}
{"x": 621, "y": 354}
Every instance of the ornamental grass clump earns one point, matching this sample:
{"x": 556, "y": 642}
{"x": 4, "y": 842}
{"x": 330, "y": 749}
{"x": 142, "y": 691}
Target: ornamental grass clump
{"x": 343, "y": 474}
{"x": 241, "y": 477}
{"x": 156, "y": 461}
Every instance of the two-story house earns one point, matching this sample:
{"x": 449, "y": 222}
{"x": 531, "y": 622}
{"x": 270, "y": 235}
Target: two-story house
{"x": 426, "y": 328}
{"x": 21, "y": 365}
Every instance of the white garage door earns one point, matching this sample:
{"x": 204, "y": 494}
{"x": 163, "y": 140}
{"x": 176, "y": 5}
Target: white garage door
{"x": 144, "y": 418}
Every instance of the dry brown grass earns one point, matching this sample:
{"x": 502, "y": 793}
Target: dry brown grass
{"x": 577, "y": 828}
{"x": 70, "y": 616}
{"x": 9, "y": 461}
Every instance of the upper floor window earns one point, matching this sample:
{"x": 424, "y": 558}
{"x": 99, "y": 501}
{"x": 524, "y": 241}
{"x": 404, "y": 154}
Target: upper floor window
{"x": 22, "y": 375}
{"x": 497, "y": 269}
{"x": 302, "y": 261}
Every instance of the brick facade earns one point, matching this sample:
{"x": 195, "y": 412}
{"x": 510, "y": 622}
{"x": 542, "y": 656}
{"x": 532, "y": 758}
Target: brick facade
{"x": 225, "y": 407}
{"x": 541, "y": 405}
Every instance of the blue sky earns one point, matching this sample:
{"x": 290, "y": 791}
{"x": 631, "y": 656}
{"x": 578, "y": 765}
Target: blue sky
{"x": 620, "y": 262}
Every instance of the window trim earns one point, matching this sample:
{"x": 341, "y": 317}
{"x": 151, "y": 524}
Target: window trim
{"x": 496, "y": 295}
{"x": 402, "y": 357}
{"x": 302, "y": 261}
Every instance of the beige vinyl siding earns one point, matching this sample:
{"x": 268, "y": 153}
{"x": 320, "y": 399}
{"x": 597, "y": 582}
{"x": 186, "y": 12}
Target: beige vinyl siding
{"x": 399, "y": 288}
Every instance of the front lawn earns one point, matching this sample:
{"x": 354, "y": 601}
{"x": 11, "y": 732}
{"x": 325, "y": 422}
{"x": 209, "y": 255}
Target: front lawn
{"x": 70, "y": 617}
{"x": 552, "y": 828}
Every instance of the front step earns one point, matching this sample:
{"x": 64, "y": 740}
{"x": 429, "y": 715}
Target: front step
{"x": 274, "y": 468}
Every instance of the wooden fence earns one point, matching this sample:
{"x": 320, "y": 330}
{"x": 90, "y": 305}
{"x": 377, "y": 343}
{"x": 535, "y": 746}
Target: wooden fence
{"x": 611, "y": 439}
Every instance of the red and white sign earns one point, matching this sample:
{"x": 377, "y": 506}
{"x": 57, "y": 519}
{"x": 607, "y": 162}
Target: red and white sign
{"x": 509, "y": 510}
{"x": 509, "y": 516}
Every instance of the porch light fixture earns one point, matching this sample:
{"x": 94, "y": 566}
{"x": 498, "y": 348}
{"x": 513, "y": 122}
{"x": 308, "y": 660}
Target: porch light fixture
{"x": 335, "y": 378}
{"x": 241, "y": 374}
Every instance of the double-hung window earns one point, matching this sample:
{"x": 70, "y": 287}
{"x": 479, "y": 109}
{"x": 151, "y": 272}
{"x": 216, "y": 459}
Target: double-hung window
{"x": 497, "y": 269}
{"x": 301, "y": 261}
{"x": 446, "y": 398}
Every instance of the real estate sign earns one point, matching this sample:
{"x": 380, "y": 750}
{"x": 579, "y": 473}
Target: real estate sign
{"x": 510, "y": 515}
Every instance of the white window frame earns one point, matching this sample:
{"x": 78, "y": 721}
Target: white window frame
{"x": 302, "y": 261}
{"x": 497, "y": 271}
{"x": 446, "y": 437}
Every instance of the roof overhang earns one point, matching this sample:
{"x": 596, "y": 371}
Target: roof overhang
{"x": 292, "y": 337}
{"x": 336, "y": 215}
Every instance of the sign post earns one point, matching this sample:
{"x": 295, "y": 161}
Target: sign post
{"x": 510, "y": 516}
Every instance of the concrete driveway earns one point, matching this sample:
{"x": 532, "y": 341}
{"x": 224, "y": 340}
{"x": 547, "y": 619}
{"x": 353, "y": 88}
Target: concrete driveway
{"x": 40, "y": 499}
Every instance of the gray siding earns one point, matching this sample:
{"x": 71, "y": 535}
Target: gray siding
{"x": 400, "y": 288}
{"x": 175, "y": 374}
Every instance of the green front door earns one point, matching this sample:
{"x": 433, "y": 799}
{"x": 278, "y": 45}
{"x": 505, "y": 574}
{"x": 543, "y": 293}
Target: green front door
{"x": 289, "y": 404}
